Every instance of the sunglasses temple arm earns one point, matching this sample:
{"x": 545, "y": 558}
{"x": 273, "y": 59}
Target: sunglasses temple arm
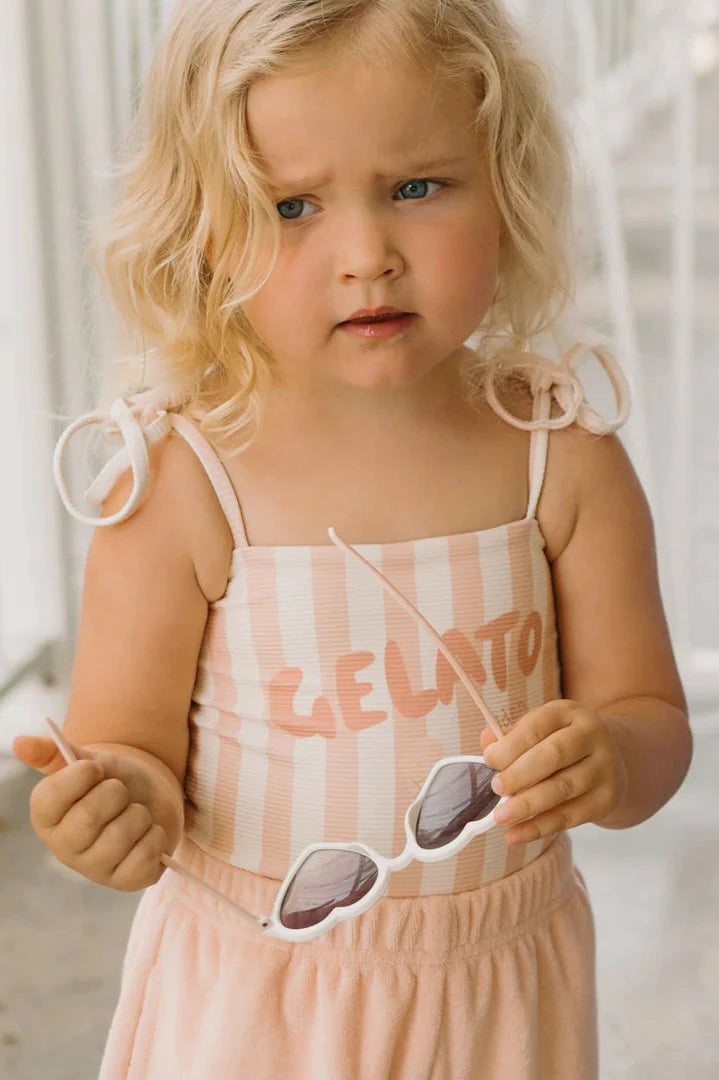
{"x": 256, "y": 920}
{"x": 411, "y": 610}
{"x": 70, "y": 757}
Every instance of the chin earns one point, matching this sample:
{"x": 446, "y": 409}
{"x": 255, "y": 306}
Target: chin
{"x": 386, "y": 375}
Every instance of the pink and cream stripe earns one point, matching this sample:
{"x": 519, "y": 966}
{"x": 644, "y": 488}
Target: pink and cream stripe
{"x": 320, "y": 704}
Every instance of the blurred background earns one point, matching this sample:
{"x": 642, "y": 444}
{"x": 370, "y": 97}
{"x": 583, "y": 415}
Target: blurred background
{"x": 639, "y": 80}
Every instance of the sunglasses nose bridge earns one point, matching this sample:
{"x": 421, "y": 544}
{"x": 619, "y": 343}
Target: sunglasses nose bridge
{"x": 400, "y": 861}
{"x": 412, "y": 811}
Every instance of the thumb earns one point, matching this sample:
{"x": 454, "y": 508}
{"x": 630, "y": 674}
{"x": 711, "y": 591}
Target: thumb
{"x": 43, "y": 754}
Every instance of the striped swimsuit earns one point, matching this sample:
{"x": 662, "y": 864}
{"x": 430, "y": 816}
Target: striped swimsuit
{"x": 320, "y": 705}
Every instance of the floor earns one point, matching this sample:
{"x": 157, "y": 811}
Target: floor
{"x": 654, "y": 888}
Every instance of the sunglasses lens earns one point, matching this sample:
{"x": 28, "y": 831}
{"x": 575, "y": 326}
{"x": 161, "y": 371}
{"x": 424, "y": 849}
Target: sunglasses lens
{"x": 326, "y": 880}
{"x": 459, "y": 793}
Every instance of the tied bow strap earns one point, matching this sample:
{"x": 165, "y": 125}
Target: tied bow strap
{"x": 134, "y": 454}
{"x": 561, "y": 380}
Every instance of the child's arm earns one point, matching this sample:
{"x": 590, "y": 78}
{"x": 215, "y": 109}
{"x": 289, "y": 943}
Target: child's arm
{"x": 618, "y": 745}
{"x": 617, "y": 656}
{"x": 143, "y": 617}
{"x": 141, "y": 627}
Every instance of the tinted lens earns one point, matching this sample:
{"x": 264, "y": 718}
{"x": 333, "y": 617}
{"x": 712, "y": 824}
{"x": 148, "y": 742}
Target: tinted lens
{"x": 459, "y": 793}
{"x": 326, "y": 880}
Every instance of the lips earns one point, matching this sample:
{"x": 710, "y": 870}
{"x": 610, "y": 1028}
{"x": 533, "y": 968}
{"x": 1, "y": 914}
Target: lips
{"x": 381, "y": 314}
{"x": 379, "y": 329}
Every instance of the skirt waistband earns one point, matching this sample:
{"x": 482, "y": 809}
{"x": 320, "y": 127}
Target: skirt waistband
{"x": 435, "y": 927}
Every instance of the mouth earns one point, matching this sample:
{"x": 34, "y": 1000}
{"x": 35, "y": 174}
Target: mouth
{"x": 380, "y": 326}
{"x": 379, "y": 318}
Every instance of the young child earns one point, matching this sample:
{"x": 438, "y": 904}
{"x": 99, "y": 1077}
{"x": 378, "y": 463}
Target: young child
{"x": 328, "y": 202}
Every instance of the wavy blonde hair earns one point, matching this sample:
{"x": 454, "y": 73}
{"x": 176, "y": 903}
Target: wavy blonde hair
{"x": 193, "y": 180}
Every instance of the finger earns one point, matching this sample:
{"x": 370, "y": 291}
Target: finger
{"x": 84, "y": 821}
{"x": 51, "y": 799}
{"x": 40, "y": 754}
{"x": 44, "y": 754}
{"x": 142, "y": 862}
{"x": 529, "y": 731}
{"x": 556, "y": 752}
{"x": 567, "y": 816}
{"x": 563, "y": 787}
{"x": 486, "y": 738}
{"x": 115, "y": 841}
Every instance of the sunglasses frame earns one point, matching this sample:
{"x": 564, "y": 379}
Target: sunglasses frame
{"x": 272, "y": 926}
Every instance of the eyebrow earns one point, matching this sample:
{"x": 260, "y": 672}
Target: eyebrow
{"x": 411, "y": 169}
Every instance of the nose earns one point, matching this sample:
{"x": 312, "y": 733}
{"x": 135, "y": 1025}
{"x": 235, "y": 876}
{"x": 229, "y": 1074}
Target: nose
{"x": 366, "y": 247}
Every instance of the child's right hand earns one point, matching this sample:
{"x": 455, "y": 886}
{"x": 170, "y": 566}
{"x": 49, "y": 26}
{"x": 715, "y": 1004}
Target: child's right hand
{"x": 92, "y": 815}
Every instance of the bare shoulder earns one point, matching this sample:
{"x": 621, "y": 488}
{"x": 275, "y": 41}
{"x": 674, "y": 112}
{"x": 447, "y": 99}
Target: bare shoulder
{"x": 567, "y": 447}
{"x": 614, "y": 638}
{"x": 180, "y": 513}
{"x": 581, "y": 467}
{"x": 207, "y": 527}
{"x": 585, "y": 474}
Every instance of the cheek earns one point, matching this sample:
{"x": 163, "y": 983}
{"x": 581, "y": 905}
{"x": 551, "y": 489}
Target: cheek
{"x": 466, "y": 262}
{"x": 282, "y": 305}
{"x": 466, "y": 247}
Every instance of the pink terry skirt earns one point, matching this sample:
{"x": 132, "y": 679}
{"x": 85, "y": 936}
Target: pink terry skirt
{"x": 497, "y": 982}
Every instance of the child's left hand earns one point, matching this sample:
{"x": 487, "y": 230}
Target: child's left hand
{"x": 562, "y": 764}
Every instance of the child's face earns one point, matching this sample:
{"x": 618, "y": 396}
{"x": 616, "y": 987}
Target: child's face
{"x": 353, "y": 239}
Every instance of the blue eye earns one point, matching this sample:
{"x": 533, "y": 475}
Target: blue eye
{"x": 291, "y": 202}
{"x": 421, "y": 184}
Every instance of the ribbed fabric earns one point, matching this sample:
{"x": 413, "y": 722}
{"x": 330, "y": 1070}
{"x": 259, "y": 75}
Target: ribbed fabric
{"x": 493, "y": 984}
{"x": 320, "y": 705}
{"x": 288, "y": 747}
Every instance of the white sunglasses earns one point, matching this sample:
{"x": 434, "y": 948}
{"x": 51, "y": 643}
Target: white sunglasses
{"x": 332, "y": 882}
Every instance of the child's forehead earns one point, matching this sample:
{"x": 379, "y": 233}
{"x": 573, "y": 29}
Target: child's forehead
{"x": 388, "y": 111}
{"x": 310, "y": 80}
